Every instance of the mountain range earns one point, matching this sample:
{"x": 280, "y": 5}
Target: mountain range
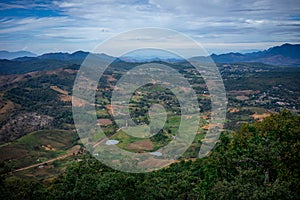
{"x": 284, "y": 55}
{"x": 11, "y": 55}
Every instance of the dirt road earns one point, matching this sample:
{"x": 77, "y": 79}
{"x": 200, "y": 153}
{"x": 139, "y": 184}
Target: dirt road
{"x": 70, "y": 153}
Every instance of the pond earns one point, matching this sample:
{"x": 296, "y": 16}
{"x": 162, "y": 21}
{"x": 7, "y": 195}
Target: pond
{"x": 156, "y": 153}
{"x": 111, "y": 142}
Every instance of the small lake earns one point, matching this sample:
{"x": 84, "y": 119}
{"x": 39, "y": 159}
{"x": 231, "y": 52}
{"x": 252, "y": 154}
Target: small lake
{"x": 156, "y": 153}
{"x": 111, "y": 142}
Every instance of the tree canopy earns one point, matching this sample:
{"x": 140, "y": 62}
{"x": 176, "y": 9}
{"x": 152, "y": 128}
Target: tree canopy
{"x": 259, "y": 161}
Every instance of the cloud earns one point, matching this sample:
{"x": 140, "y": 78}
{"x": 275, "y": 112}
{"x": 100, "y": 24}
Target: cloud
{"x": 209, "y": 22}
{"x": 31, "y": 24}
{"x": 28, "y": 4}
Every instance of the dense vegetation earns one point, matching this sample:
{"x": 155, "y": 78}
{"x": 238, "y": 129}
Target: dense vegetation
{"x": 259, "y": 161}
{"x": 256, "y": 160}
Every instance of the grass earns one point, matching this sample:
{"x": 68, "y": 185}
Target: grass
{"x": 59, "y": 139}
{"x": 31, "y": 149}
{"x": 51, "y": 170}
{"x": 257, "y": 110}
{"x": 172, "y": 124}
{"x": 101, "y": 113}
{"x": 124, "y": 139}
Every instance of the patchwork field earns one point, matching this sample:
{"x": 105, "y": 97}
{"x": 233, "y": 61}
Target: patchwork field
{"x": 35, "y": 148}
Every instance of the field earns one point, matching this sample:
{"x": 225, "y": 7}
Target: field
{"x": 250, "y": 98}
{"x": 35, "y": 148}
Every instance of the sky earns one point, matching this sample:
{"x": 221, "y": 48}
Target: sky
{"x": 219, "y": 26}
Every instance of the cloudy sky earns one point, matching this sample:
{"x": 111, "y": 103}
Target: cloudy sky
{"x": 220, "y": 26}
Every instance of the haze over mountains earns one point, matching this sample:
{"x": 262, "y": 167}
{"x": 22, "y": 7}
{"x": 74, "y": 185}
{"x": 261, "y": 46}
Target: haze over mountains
{"x": 12, "y": 55}
{"x": 284, "y": 55}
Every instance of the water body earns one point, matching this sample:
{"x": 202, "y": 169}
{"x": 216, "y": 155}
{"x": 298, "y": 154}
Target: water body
{"x": 112, "y": 142}
{"x": 156, "y": 153}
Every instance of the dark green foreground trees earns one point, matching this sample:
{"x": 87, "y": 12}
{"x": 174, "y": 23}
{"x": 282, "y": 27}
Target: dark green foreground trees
{"x": 260, "y": 161}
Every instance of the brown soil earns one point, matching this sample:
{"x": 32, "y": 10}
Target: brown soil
{"x": 78, "y": 102}
{"x": 209, "y": 126}
{"x": 8, "y": 79}
{"x": 110, "y": 110}
{"x": 104, "y": 122}
{"x": 260, "y": 117}
{"x": 233, "y": 110}
{"x": 70, "y": 71}
{"x": 64, "y": 95}
{"x": 65, "y": 98}
{"x": 48, "y": 147}
{"x": 57, "y": 89}
{"x": 111, "y": 79}
{"x": 141, "y": 145}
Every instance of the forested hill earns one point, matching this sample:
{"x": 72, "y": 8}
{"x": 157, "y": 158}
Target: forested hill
{"x": 49, "y": 61}
{"x": 259, "y": 161}
{"x": 285, "y": 55}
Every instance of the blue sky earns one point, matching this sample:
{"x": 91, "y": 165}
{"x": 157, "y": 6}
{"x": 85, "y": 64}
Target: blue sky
{"x": 220, "y": 26}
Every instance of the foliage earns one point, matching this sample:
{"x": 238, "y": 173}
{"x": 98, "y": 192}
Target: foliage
{"x": 260, "y": 161}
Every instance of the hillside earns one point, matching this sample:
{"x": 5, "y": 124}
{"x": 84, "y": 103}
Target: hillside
{"x": 285, "y": 55}
{"x": 11, "y": 55}
{"x": 48, "y": 61}
{"x": 254, "y": 162}
{"x": 40, "y": 148}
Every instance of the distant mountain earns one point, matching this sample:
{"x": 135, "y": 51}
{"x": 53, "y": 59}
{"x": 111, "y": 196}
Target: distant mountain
{"x": 11, "y": 55}
{"x": 141, "y": 60}
{"x": 78, "y": 55}
{"x": 285, "y": 55}
{"x": 150, "y": 55}
{"x": 48, "y": 61}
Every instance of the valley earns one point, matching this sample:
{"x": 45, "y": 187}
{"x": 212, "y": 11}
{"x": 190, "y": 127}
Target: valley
{"x": 254, "y": 91}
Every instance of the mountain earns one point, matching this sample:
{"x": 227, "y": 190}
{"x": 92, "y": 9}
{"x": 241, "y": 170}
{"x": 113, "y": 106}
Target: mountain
{"x": 285, "y": 55}
{"x": 150, "y": 55}
{"x": 11, "y": 55}
{"x": 151, "y": 59}
{"x": 287, "y": 50}
{"x": 78, "y": 55}
{"x": 48, "y": 61}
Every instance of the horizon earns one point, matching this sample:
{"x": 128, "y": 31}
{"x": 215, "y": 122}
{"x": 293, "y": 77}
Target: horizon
{"x": 133, "y": 54}
{"x": 220, "y": 27}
